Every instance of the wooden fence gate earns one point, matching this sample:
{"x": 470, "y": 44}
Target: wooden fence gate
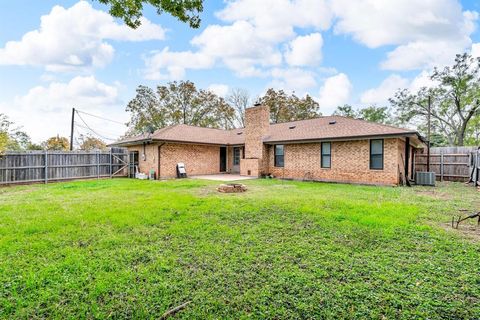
{"x": 450, "y": 163}
{"x": 45, "y": 166}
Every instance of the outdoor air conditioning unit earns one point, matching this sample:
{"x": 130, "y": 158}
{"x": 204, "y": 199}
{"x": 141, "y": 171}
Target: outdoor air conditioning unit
{"x": 425, "y": 178}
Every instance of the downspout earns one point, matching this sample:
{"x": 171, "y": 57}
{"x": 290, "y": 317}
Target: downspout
{"x": 159, "y": 157}
{"x": 407, "y": 159}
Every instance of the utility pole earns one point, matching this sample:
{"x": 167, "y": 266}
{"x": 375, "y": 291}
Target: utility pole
{"x": 72, "y": 129}
{"x": 428, "y": 132}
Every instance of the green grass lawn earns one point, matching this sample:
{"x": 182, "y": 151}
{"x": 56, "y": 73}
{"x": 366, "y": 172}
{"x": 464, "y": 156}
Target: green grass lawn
{"x": 134, "y": 249}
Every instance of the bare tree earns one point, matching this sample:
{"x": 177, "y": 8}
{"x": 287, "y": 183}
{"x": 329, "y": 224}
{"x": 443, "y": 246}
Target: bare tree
{"x": 240, "y": 100}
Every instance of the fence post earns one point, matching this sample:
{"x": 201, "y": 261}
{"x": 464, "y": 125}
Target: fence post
{"x": 111, "y": 163}
{"x": 46, "y": 167}
{"x": 441, "y": 166}
{"x": 98, "y": 164}
{"x": 477, "y": 166}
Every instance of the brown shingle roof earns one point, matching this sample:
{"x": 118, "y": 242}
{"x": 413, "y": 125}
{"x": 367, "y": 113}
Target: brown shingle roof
{"x": 186, "y": 133}
{"x": 332, "y": 127}
{"x": 323, "y": 128}
{"x": 190, "y": 134}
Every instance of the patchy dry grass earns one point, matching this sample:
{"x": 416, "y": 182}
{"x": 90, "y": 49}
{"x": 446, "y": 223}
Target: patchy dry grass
{"x": 134, "y": 249}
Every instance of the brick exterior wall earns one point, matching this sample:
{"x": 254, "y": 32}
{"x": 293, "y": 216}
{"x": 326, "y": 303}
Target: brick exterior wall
{"x": 149, "y": 160}
{"x": 257, "y": 121}
{"x": 350, "y": 162}
{"x": 198, "y": 159}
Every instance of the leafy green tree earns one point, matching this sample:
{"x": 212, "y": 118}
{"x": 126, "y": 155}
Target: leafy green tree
{"x": 473, "y": 132}
{"x": 372, "y": 113}
{"x": 454, "y": 100}
{"x": 284, "y": 107}
{"x": 131, "y": 11}
{"x": 178, "y": 103}
{"x": 20, "y": 140}
{"x": 375, "y": 114}
{"x": 89, "y": 143}
{"x": 56, "y": 143}
{"x": 3, "y": 141}
{"x": 345, "y": 111}
{"x": 145, "y": 111}
{"x": 12, "y": 138}
{"x": 34, "y": 146}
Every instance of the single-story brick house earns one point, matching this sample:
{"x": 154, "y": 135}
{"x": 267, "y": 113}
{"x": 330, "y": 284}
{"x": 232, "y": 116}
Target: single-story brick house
{"x": 330, "y": 148}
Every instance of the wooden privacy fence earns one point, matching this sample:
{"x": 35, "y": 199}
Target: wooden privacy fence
{"x": 45, "y": 166}
{"x": 450, "y": 163}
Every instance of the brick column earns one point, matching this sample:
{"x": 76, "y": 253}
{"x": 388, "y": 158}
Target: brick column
{"x": 257, "y": 125}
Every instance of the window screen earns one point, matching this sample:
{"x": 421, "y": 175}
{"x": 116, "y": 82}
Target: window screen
{"x": 326, "y": 155}
{"x": 376, "y": 154}
{"x": 236, "y": 156}
{"x": 279, "y": 155}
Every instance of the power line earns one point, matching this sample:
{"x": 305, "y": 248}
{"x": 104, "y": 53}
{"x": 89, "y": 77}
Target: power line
{"x": 96, "y": 133}
{"x": 90, "y": 132}
{"x": 99, "y": 117}
{"x": 102, "y": 132}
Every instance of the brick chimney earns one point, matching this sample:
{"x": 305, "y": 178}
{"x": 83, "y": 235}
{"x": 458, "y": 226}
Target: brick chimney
{"x": 257, "y": 125}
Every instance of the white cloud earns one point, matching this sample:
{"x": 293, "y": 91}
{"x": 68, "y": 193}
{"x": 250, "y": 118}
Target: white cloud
{"x": 305, "y": 50}
{"x": 424, "y": 54}
{"x": 377, "y": 23}
{"x": 73, "y": 38}
{"x": 45, "y": 111}
{"x": 276, "y": 19}
{"x": 386, "y": 90}
{"x": 392, "y": 84}
{"x": 249, "y": 44}
{"x": 475, "y": 50}
{"x": 171, "y": 65}
{"x": 219, "y": 89}
{"x": 335, "y": 91}
{"x": 426, "y": 32}
{"x": 292, "y": 79}
{"x": 238, "y": 46}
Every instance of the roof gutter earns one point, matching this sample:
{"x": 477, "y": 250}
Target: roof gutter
{"x": 130, "y": 143}
{"x": 137, "y": 142}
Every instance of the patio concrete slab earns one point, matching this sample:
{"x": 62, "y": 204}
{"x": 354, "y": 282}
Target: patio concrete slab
{"x": 222, "y": 177}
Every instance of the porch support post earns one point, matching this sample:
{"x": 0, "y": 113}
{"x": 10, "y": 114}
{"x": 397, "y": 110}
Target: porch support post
{"x": 407, "y": 159}
{"x": 227, "y": 166}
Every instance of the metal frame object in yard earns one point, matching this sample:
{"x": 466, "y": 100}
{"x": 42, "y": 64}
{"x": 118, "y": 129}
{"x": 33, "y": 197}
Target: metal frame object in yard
{"x": 457, "y": 220}
{"x": 46, "y": 166}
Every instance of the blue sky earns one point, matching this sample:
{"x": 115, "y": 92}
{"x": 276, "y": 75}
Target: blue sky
{"x": 55, "y": 55}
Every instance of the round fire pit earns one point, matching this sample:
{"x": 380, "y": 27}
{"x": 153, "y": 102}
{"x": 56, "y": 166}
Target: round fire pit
{"x": 232, "y": 188}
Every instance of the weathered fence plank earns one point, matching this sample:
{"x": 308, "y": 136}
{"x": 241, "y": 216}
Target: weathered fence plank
{"x": 45, "y": 166}
{"x": 448, "y": 163}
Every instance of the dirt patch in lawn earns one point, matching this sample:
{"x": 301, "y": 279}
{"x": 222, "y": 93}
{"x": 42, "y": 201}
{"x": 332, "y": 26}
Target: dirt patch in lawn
{"x": 11, "y": 190}
{"x": 434, "y": 194}
{"x": 469, "y": 230}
